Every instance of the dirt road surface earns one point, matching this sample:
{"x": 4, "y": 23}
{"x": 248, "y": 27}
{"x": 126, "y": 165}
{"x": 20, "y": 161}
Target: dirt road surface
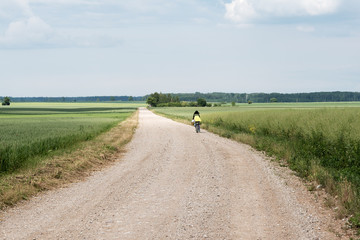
{"x": 171, "y": 184}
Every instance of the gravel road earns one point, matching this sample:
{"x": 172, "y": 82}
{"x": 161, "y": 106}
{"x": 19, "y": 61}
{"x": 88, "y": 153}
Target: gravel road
{"x": 171, "y": 184}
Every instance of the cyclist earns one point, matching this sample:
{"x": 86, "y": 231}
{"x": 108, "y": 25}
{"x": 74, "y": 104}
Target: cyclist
{"x": 196, "y": 120}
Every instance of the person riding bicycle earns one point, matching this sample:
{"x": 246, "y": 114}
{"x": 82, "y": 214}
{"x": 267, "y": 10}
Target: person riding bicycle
{"x": 196, "y": 121}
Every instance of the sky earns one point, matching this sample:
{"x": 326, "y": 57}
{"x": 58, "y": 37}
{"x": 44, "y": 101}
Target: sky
{"x": 115, "y": 47}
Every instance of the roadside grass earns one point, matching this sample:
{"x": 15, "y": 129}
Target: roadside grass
{"x": 63, "y": 166}
{"x": 321, "y": 142}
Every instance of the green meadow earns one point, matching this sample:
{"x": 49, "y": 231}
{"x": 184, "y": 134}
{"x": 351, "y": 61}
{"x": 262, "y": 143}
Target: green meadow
{"x": 320, "y": 141}
{"x": 29, "y": 130}
{"x": 186, "y": 113}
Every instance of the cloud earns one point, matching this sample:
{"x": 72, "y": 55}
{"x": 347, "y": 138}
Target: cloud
{"x": 240, "y": 11}
{"x": 32, "y": 30}
{"x": 90, "y": 23}
{"x": 27, "y": 30}
{"x": 245, "y": 11}
{"x": 159, "y": 6}
{"x": 35, "y": 33}
{"x": 13, "y": 9}
{"x": 25, "y": 7}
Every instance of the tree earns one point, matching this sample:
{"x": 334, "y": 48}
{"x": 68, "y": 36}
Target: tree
{"x": 273, "y": 100}
{"x": 112, "y": 98}
{"x": 233, "y": 104}
{"x": 250, "y": 102}
{"x": 151, "y": 101}
{"x": 163, "y": 100}
{"x": 201, "y": 102}
{"x": 156, "y": 95}
{"x": 6, "y": 101}
{"x": 131, "y": 99}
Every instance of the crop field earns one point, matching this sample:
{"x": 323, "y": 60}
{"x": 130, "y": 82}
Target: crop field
{"x": 28, "y": 130}
{"x": 320, "y": 141}
{"x": 186, "y": 113}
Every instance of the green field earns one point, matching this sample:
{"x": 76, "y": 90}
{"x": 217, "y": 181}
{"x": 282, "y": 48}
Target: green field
{"x": 29, "y": 130}
{"x": 187, "y": 112}
{"x": 320, "y": 141}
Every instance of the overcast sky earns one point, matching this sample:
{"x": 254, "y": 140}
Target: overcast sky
{"x": 118, "y": 47}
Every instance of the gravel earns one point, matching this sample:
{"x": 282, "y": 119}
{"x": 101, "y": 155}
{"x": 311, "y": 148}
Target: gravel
{"x": 174, "y": 184}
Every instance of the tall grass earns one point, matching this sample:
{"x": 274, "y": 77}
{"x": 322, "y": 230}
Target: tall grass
{"x": 330, "y": 135}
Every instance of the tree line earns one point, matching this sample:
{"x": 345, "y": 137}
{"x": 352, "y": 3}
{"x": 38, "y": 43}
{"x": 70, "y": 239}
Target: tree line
{"x": 177, "y": 98}
{"x": 271, "y": 97}
{"x": 78, "y": 99}
{"x": 170, "y": 100}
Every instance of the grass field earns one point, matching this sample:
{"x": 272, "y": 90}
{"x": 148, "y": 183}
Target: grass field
{"x": 187, "y": 112}
{"x": 28, "y": 130}
{"x": 320, "y": 141}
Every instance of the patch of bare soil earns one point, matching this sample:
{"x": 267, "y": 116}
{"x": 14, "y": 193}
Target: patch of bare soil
{"x": 175, "y": 184}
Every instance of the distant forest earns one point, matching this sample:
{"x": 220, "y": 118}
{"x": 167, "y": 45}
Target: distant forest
{"x": 77, "y": 99}
{"x": 213, "y": 97}
{"x": 266, "y": 97}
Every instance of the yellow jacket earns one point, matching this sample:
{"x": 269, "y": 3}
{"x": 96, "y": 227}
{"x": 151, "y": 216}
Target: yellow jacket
{"x": 197, "y": 119}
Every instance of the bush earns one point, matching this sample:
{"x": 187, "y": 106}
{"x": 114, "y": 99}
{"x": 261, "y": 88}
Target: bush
{"x": 201, "y": 102}
{"x": 192, "y": 104}
{"x": 184, "y": 104}
{"x": 6, "y": 101}
{"x": 170, "y": 104}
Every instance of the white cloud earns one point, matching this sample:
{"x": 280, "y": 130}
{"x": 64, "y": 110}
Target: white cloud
{"x": 320, "y": 7}
{"x": 33, "y": 30}
{"x": 10, "y": 9}
{"x": 244, "y": 11}
{"x": 240, "y": 11}
{"x": 27, "y": 30}
{"x": 134, "y": 5}
{"x": 35, "y": 33}
{"x": 88, "y": 23}
{"x": 25, "y": 7}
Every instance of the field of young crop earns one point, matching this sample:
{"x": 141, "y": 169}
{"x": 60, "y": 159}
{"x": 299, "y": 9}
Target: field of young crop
{"x": 320, "y": 141}
{"x": 28, "y": 130}
{"x": 186, "y": 113}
